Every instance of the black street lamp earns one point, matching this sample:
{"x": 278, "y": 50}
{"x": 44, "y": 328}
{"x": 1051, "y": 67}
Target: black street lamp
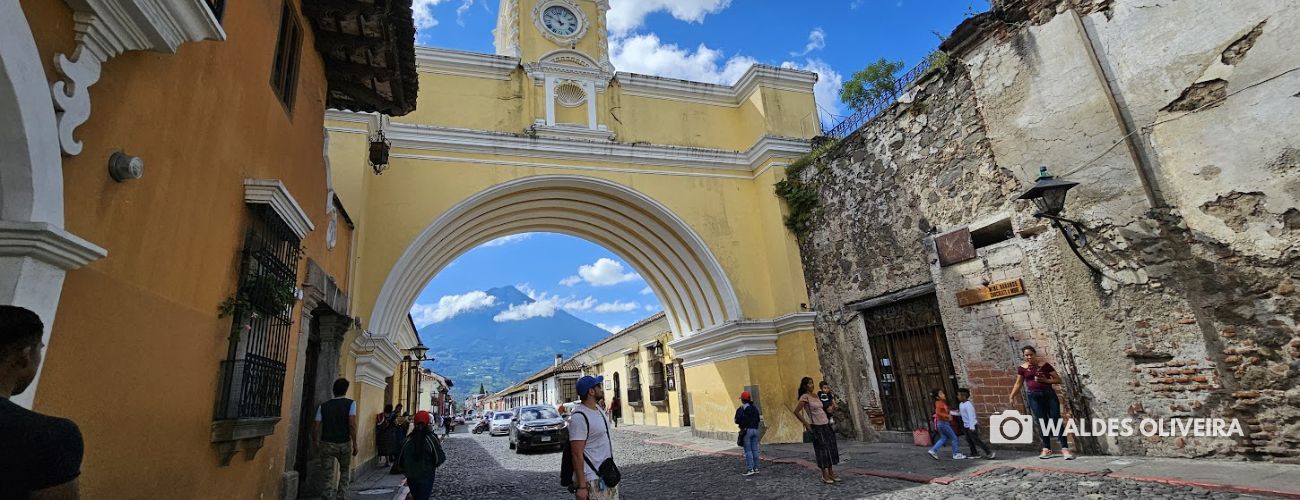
{"x": 420, "y": 352}
{"x": 1048, "y": 194}
{"x": 379, "y": 147}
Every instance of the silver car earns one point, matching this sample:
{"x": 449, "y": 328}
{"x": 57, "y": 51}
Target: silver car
{"x": 500, "y": 424}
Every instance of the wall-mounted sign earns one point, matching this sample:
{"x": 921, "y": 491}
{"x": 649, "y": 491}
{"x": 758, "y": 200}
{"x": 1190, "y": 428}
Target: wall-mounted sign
{"x": 954, "y": 247}
{"x": 994, "y": 291}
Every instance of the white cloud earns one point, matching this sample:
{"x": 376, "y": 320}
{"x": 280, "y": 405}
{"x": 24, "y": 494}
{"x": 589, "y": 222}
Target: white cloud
{"x": 528, "y": 290}
{"x": 827, "y": 89}
{"x": 605, "y": 272}
{"x": 617, "y": 306}
{"x": 646, "y": 291}
{"x": 573, "y": 305}
{"x": 855, "y": 4}
{"x": 423, "y": 10}
{"x": 449, "y": 306}
{"x": 627, "y": 15}
{"x": 647, "y": 54}
{"x": 571, "y": 280}
{"x": 610, "y": 328}
{"x": 506, "y": 240}
{"x": 543, "y": 306}
{"x": 651, "y": 307}
{"x": 816, "y": 41}
{"x": 460, "y": 11}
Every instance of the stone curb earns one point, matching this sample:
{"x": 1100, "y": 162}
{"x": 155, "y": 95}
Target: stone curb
{"x": 1171, "y": 481}
{"x": 944, "y": 480}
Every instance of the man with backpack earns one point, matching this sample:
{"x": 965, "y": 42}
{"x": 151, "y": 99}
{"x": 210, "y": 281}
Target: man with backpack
{"x": 421, "y": 456}
{"x": 588, "y": 468}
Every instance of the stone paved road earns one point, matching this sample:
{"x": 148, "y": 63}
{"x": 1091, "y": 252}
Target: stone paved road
{"x": 1010, "y": 483}
{"x": 482, "y": 467}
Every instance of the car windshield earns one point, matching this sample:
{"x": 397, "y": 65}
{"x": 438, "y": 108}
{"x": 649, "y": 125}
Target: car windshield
{"x": 527, "y": 414}
{"x": 501, "y": 416}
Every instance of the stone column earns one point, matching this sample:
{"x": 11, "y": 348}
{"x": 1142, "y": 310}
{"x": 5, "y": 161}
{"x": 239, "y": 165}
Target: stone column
{"x": 289, "y": 480}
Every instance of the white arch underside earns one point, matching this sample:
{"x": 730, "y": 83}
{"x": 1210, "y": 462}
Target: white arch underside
{"x": 672, "y": 258}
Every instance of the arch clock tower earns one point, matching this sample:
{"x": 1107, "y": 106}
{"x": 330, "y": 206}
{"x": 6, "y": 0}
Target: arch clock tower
{"x": 564, "y": 48}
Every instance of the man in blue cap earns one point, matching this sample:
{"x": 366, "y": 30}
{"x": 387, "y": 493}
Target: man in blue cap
{"x": 589, "y": 442}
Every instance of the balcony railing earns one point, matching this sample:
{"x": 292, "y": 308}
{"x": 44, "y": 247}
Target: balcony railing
{"x": 873, "y": 108}
{"x": 634, "y": 396}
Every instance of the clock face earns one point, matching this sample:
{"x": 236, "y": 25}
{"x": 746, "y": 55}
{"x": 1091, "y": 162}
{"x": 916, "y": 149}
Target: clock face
{"x": 559, "y": 20}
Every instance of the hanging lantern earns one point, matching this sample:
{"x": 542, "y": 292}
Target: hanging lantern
{"x": 379, "y": 147}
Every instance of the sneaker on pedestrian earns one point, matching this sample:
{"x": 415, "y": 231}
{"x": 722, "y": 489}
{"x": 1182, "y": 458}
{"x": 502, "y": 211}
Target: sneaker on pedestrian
{"x": 959, "y": 456}
{"x": 749, "y": 472}
{"x": 1046, "y": 454}
{"x": 933, "y": 454}
{"x": 991, "y": 455}
{"x": 1066, "y": 452}
{"x": 756, "y": 471}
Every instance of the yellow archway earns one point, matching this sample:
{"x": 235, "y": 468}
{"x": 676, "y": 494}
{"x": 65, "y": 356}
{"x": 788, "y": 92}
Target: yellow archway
{"x": 674, "y": 260}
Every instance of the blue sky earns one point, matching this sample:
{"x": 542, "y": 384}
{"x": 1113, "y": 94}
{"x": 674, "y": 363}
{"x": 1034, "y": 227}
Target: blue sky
{"x": 703, "y": 40}
{"x": 560, "y": 273}
{"x": 716, "y": 40}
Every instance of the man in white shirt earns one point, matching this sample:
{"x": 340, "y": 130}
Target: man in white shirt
{"x": 589, "y": 441}
{"x": 970, "y": 421}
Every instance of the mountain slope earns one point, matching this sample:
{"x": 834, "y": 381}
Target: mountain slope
{"x": 473, "y": 349}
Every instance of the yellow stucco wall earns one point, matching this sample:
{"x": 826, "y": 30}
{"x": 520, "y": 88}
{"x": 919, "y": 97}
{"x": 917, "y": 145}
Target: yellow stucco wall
{"x": 735, "y": 211}
{"x": 716, "y": 387}
{"x": 134, "y": 354}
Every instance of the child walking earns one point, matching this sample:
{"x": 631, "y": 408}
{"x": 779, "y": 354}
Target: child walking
{"x": 943, "y": 424}
{"x": 968, "y": 420}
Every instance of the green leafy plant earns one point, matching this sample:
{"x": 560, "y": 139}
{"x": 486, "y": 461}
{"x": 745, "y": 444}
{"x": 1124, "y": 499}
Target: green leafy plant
{"x": 876, "y": 81}
{"x": 263, "y": 293}
{"x": 801, "y": 197}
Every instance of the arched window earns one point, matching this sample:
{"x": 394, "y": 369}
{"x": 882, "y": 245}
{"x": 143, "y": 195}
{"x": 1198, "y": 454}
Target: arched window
{"x": 634, "y": 387}
{"x": 658, "y": 391}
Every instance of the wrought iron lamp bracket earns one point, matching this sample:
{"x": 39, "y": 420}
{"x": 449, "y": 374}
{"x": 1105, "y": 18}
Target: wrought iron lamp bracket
{"x": 1075, "y": 235}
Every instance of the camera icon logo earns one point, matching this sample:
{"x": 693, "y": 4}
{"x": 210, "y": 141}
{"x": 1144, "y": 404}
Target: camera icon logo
{"x": 1010, "y": 427}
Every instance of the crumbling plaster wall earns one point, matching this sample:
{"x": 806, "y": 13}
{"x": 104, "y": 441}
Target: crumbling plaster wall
{"x": 1196, "y": 314}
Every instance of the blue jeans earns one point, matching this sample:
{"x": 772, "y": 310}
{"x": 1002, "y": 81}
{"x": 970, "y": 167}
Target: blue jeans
{"x": 422, "y": 488}
{"x": 946, "y": 435}
{"x": 751, "y": 449}
{"x": 1046, "y": 408}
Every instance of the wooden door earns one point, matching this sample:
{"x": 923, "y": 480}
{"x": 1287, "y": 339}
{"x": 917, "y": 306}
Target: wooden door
{"x": 911, "y": 358}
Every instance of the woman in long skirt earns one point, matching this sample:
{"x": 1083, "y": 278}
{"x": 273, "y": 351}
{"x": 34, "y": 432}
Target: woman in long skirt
{"x": 825, "y": 447}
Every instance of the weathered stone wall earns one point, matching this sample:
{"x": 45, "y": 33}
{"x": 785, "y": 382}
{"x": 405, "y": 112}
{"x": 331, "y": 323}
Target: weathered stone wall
{"x": 1187, "y": 159}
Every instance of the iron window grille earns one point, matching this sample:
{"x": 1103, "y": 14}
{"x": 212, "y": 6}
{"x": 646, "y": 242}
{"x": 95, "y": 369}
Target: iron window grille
{"x": 252, "y": 376}
{"x": 658, "y": 393}
{"x": 288, "y": 52}
{"x": 634, "y": 387}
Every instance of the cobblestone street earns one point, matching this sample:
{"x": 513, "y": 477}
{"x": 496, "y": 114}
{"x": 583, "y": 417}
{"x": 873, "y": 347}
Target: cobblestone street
{"x": 1023, "y": 484}
{"x": 483, "y": 467}
{"x": 479, "y": 466}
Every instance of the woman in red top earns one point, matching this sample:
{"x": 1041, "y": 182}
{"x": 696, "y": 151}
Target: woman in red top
{"x": 1038, "y": 377}
{"x": 943, "y": 424}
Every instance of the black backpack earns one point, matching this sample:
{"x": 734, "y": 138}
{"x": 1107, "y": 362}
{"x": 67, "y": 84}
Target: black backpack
{"x": 608, "y": 471}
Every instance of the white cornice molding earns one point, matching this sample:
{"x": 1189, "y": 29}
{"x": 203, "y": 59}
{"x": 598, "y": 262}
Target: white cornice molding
{"x": 461, "y": 63}
{"x": 272, "y": 192}
{"x": 47, "y": 243}
{"x": 757, "y": 76}
{"x": 738, "y": 339}
{"x": 106, "y": 28}
{"x": 431, "y": 138}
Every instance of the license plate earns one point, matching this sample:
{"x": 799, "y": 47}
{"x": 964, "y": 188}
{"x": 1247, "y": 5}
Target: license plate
{"x": 546, "y": 438}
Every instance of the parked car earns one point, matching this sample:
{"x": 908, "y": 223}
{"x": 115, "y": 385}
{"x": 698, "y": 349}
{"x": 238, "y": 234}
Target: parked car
{"x": 537, "y": 426}
{"x": 500, "y": 425}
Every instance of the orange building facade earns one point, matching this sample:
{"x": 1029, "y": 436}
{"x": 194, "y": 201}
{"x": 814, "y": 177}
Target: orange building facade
{"x": 170, "y": 215}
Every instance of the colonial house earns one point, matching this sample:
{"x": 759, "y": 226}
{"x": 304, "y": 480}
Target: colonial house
{"x": 168, "y": 211}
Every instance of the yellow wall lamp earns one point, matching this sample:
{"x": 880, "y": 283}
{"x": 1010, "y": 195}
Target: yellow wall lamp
{"x": 1048, "y": 193}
